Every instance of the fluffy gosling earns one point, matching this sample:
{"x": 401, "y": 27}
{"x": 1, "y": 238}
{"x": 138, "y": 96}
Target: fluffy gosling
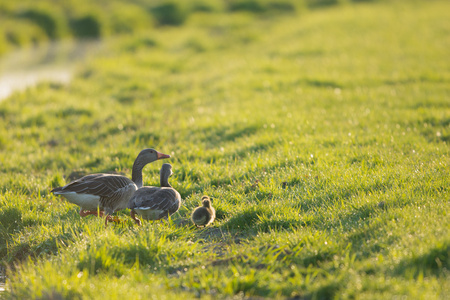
{"x": 205, "y": 214}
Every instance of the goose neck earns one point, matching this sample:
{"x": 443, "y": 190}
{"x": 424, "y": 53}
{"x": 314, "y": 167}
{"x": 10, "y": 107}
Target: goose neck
{"x": 164, "y": 181}
{"x": 136, "y": 174}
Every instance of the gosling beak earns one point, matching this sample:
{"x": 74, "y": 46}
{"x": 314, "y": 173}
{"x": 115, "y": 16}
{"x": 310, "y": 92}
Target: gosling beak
{"x": 162, "y": 155}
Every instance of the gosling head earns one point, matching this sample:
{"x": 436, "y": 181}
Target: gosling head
{"x": 206, "y": 201}
{"x": 166, "y": 170}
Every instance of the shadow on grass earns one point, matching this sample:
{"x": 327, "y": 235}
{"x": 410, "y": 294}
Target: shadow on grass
{"x": 118, "y": 259}
{"x": 327, "y": 196}
{"x": 322, "y": 83}
{"x": 270, "y": 225}
{"x": 258, "y": 7}
{"x": 10, "y": 220}
{"x": 267, "y": 168}
{"x": 350, "y": 219}
{"x": 321, "y": 3}
{"x": 417, "y": 79}
{"x": 12, "y": 225}
{"x": 261, "y": 219}
{"x": 367, "y": 161}
{"x": 433, "y": 129}
{"x": 245, "y": 219}
{"x": 188, "y": 174}
{"x": 73, "y": 111}
{"x": 329, "y": 290}
{"x": 22, "y": 251}
{"x": 370, "y": 238}
{"x": 220, "y": 134}
{"x": 431, "y": 263}
{"x": 255, "y": 148}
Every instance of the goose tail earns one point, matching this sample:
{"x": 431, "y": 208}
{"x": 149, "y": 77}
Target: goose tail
{"x": 57, "y": 190}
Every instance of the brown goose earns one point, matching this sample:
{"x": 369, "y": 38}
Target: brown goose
{"x": 155, "y": 203}
{"x": 205, "y": 214}
{"x": 97, "y": 192}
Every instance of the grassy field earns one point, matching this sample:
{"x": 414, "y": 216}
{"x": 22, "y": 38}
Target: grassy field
{"x": 322, "y": 137}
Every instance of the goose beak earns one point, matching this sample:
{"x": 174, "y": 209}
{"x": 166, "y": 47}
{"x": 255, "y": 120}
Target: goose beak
{"x": 162, "y": 155}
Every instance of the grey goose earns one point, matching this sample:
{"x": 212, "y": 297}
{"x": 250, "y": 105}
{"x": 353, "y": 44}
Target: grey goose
{"x": 155, "y": 203}
{"x": 107, "y": 192}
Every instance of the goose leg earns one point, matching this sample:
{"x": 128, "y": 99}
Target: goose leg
{"x": 133, "y": 216}
{"x": 110, "y": 218}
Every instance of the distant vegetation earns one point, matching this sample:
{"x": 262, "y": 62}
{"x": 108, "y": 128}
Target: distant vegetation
{"x": 28, "y": 22}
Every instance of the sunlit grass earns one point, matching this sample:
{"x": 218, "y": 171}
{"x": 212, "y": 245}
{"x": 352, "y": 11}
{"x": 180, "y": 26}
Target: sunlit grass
{"x": 322, "y": 139}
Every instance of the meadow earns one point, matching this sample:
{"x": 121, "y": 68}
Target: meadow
{"x": 321, "y": 135}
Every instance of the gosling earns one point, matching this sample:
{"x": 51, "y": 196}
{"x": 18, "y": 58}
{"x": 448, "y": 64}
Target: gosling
{"x": 205, "y": 214}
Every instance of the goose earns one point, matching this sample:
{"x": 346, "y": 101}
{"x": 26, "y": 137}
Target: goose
{"x": 205, "y": 214}
{"x": 155, "y": 203}
{"x": 107, "y": 192}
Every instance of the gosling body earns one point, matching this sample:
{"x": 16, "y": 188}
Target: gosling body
{"x": 204, "y": 215}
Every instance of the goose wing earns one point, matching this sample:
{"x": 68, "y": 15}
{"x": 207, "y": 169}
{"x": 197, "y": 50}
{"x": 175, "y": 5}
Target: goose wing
{"x": 103, "y": 185}
{"x": 200, "y": 216}
{"x": 160, "y": 199}
{"x": 142, "y": 195}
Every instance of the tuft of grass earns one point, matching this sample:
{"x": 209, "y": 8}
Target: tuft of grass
{"x": 169, "y": 13}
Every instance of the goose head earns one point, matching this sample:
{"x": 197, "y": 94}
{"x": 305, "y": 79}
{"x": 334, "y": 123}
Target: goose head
{"x": 206, "y": 201}
{"x": 150, "y": 155}
{"x": 144, "y": 157}
{"x": 165, "y": 173}
{"x": 166, "y": 170}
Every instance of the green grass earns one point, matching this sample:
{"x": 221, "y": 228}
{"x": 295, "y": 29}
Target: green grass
{"x": 345, "y": 108}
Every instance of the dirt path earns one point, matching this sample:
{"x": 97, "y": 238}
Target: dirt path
{"x": 54, "y": 62}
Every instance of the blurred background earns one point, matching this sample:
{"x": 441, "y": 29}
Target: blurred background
{"x": 44, "y": 40}
{"x": 30, "y": 23}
